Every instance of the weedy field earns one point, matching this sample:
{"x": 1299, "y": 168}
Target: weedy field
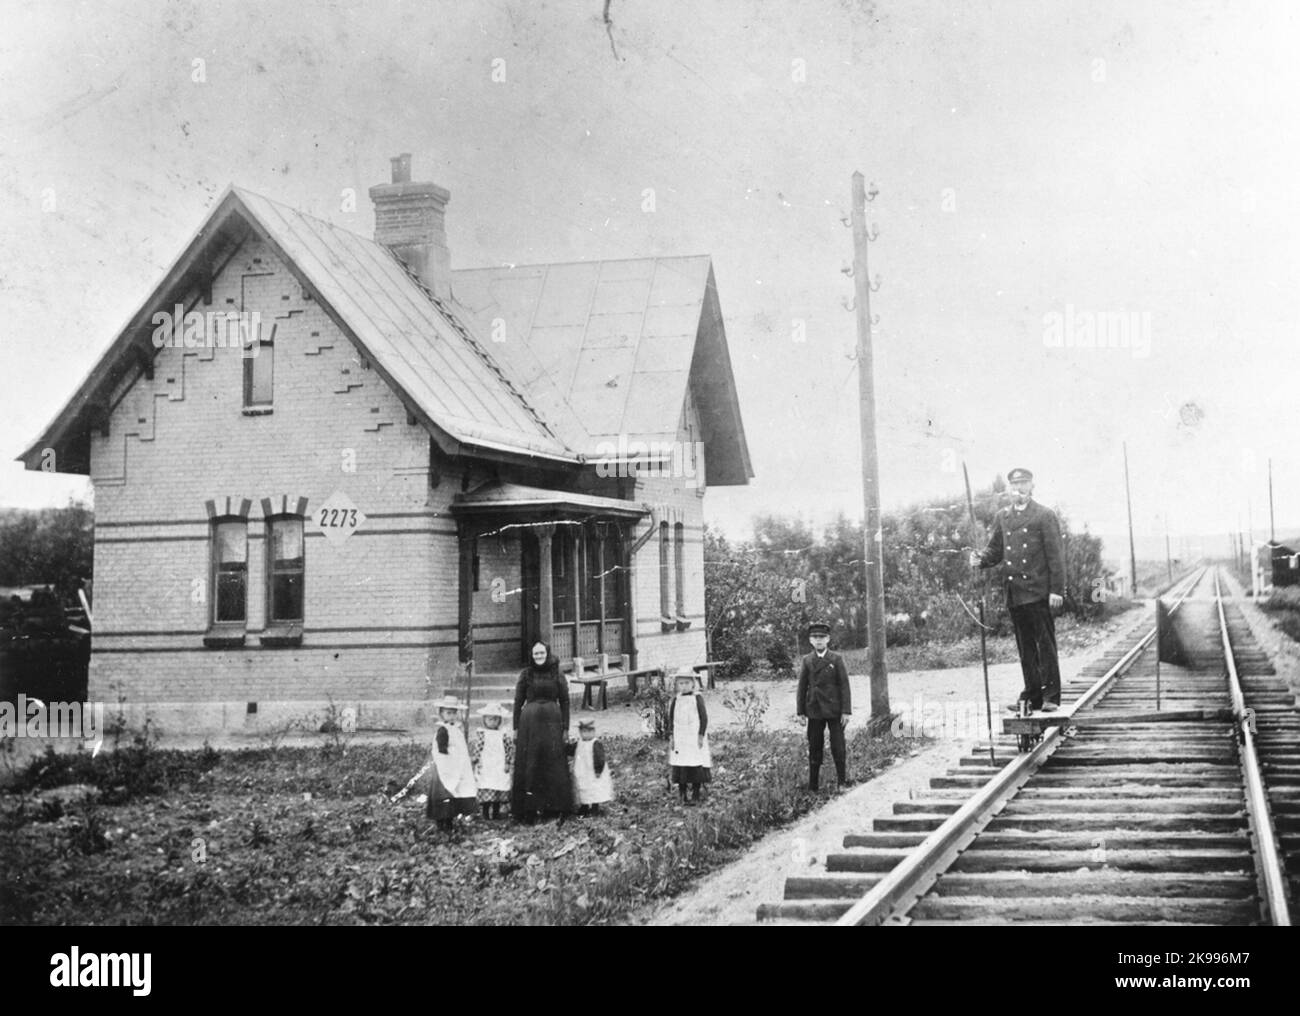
{"x": 308, "y": 836}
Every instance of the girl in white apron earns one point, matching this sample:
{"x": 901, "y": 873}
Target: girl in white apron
{"x": 592, "y": 783}
{"x": 493, "y": 752}
{"x": 688, "y": 747}
{"x": 452, "y": 791}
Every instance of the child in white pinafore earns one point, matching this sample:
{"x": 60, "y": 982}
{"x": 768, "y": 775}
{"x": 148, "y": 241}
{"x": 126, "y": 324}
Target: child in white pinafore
{"x": 688, "y": 746}
{"x": 452, "y": 791}
{"x": 493, "y": 752}
{"x": 593, "y": 785}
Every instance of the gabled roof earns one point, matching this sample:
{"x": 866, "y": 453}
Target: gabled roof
{"x": 606, "y": 350}
{"x": 593, "y": 352}
{"x": 443, "y": 373}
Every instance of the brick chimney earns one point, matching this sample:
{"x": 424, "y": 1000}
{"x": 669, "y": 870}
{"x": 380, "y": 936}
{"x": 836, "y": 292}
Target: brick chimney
{"x": 410, "y": 221}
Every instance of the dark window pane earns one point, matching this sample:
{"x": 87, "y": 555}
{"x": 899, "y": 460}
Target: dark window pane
{"x": 285, "y": 573}
{"x": 231, "y": 596}
{"x": 286, "y": 597}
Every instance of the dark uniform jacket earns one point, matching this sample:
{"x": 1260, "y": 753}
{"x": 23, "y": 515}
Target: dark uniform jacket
{"x": 823, "y": 687}
{"x": 1027, "y": 544}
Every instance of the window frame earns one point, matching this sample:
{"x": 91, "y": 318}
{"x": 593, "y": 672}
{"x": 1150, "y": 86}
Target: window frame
{"x": 284, "y": 630}
{"x": 266, "y": 353}
{"x": 224, "y": 632}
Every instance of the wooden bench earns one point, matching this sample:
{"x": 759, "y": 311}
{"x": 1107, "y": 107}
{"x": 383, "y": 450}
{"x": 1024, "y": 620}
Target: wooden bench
{"x": 579, "y": 673}
{"x": 600, "y": 677}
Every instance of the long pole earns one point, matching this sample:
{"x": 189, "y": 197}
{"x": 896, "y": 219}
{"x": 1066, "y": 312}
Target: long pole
{"x": 1169, "y": 563}
{"x": 1132, "y": 552}
{"x": 872, "y": 537}
{"x": 984, "y": 648}
{"x": 1272, "y": 533}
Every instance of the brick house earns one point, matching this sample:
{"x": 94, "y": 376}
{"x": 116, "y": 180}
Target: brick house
{"x": 332, "y": 469}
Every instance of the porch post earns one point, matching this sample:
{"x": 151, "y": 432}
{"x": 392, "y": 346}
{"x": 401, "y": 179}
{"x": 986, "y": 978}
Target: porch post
{"x": 545, "y": 592}
{"x": 465, "y": 601}
{"x": 628, "y": 554}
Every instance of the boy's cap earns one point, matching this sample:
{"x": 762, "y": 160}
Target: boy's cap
{"x": 819, "y": 628}
{"x": 1016, "y": 475}
{"x": 586, "y": 724}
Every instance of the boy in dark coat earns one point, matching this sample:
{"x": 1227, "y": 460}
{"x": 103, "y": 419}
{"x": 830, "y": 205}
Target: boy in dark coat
{"x": 823, "y": 697}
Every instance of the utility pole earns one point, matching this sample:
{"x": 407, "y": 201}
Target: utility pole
{"x": 872, "y": 540}
{"x": 1132, "y": 551}
{"x": 1272, "y": 533}
{"x": 1169, "y": 563}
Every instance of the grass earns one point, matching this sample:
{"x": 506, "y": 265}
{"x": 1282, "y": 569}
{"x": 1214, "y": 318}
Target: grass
{"x": 1072, "y": 636}
{"x": 1283, "y": 605}
{"x": 297, "y": 836}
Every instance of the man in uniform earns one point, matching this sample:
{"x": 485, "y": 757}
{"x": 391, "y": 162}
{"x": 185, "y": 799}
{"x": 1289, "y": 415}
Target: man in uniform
{"x": 823, "y": 697}
{"x": 1026, "y": 541}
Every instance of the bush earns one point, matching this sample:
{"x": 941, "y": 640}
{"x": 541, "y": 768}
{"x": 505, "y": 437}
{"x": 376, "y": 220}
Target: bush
{"x": 653, "y": 702}
{"x": 750, "y": 705}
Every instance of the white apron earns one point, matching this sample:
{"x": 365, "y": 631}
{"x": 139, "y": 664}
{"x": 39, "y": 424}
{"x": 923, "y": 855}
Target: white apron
{"x": 589, "y": 788}
{"x": 686, "y": 733}
{"x": 492, "y": 773}
{"x": 455, "y": 771}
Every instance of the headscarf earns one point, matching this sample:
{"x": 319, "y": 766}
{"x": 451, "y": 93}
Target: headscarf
{"x": 550, "y": 666}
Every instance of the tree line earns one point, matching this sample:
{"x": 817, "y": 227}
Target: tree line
{"x": 761, "y": 593}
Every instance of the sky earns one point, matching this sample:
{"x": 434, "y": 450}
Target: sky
{"x": 1040, "y": 166}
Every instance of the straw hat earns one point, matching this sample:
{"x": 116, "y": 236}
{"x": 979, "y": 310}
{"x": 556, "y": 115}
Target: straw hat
{"x": 493, "y": 709}
{"x": 450, "y": 701}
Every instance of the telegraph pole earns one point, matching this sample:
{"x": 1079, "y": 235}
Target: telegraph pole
{"x": 1132, "y": 552}
{"x": 1169, "y": 563}
{"x": 1272, "y": 533}
{"x": 872, "y": 540}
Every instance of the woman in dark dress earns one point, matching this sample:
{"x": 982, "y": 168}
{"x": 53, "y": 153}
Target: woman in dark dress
{"x": 541, "y": 779}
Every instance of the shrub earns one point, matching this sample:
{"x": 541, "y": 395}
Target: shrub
{"x": 653, "y": 702}
{"x": 750, "y": 705}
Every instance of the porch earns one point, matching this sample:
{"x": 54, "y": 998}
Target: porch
{"x": 544, "y": 565}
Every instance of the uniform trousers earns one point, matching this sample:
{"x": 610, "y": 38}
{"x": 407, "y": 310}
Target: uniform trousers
{"x": 1036, "y": 641}
{"x": 816, "y": 742}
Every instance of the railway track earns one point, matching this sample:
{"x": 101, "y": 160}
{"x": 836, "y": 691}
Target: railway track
{"x": 1172, "y": 795}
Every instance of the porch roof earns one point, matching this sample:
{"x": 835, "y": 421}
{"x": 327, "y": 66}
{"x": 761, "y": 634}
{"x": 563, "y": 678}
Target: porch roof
{"x": 515, "y": 498}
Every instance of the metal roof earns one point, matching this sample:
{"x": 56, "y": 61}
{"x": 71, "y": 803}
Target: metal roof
{"x": 446, "y": 374}
{"x": 602, "y": 348}
{"x": 435, "y": 358}
{"x": 591, "y": 352}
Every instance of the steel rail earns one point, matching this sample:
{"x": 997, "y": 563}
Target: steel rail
{"x": 912, "y": 877}
{"x": 1261, "y": 818}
